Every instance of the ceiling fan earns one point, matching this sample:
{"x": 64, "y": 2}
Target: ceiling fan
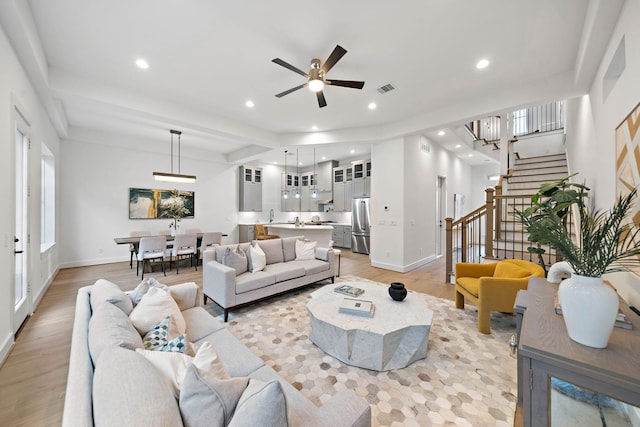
{"x": 316, "y": 75}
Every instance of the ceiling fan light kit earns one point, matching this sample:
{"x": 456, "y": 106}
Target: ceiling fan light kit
{"x": 174, "y": 177}
{"x": 316, "y": 76}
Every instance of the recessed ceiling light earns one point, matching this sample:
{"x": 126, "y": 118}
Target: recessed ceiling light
{"x": 299, "y": 163}
{"x": 483, "y": 63}
{"x": 372, "y": 106}
{"x": 249, "y": 104}
{"x": 314, "y": 127}
{"x": 352, "y": 151}
{"x": 469, "y": 155}
{"x": 275, "y": 163}
{"x": 324, "y": 157}
{"x": 441, "y": 133}
{"x": 458, "y": 146}
{"x": 141, "y": 63}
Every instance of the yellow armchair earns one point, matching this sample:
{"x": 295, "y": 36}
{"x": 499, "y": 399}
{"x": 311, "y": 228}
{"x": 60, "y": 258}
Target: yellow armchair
{"x": 493, "y": 287}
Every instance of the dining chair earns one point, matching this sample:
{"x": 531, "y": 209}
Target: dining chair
{"x": 209, "y": 239}
{"x": 132, "y": 247}
{"x": 184, "y": 245}
{"x": 193, "y": 231}
{"x": 261, "y": 234}
{"x": 151, "y": 248}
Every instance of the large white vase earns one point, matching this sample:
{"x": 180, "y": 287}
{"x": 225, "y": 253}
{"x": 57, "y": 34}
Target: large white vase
{"x": 589, "y": 308}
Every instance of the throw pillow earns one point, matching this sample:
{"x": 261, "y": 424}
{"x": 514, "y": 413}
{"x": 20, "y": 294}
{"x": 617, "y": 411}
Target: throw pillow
{"x": 143, "y": 287}
{"x": 105, "y": 291}
{"x": 261, "y": 401}
{"x": 507, "y": 269}
{"x": 272, "y": 249}
{"x": 305, "y": 250}
{"x": 235, "y": 259}
{"x": 174, "y": 365}
{"x": 210, "y": 403}
{"x": 128, "y": 391}
{"x": 154, "y": 306}
{"x": 110, "y": 327}
{"x": 158, "y": 337}
{"x": 257, "y": 259}
{"x": 289, "y": 247}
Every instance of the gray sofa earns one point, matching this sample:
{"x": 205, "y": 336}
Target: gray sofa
{"x": 282, "y": 273}
{"x": 124, "y": 389}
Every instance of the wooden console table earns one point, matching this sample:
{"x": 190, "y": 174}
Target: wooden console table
{"x": 545, "y": 351}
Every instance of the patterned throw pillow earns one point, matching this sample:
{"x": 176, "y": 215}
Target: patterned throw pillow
{"x": 158, "y": 338}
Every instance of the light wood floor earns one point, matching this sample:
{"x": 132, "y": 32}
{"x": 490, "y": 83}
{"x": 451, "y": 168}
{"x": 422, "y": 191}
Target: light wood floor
{"x": 34, "y": 376}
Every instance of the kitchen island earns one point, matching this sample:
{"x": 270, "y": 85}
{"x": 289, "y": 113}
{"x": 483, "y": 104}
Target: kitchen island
{"x": 314, "y": 233}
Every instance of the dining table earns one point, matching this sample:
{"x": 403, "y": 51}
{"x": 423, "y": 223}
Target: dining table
{"x": 135, "y": 240}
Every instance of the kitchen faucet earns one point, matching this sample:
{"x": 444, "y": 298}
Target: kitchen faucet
{"x": 271, "y": 215}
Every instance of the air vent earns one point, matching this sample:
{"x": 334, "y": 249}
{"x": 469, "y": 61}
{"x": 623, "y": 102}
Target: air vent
{"x": 386, "y": 88}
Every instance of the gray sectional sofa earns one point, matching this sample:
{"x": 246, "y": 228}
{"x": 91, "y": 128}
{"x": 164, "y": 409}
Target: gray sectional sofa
{"x": 231, "y": 288}
{"x": 111, "y": 383}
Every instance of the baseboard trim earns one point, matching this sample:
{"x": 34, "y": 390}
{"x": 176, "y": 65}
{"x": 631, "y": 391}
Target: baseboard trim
{"x": 7, "y": 344}
{"x": 85, "y": 263}
{"x": 45, "y": 288}
{"x": 404, "y": 268}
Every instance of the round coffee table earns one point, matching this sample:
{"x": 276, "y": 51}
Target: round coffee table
{"x": 396, "y": 336}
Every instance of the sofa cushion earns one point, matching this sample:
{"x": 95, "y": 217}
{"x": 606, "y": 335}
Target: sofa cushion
{"x": 110, "y": 327}
{"x": 272, "y": 249}
{"x": 305, "y": 250}
{"x": 471, "y": 284}
{"x": 312, "y": 266}
{"x": 200, "y": 323}
{"x": 210, "y": 403}
{"x": 105, "y": 291}
{"x": 289, "y": 247}
{"x": 285, "y": 271}
{"x": 236, "y": 259}
{"x": 251, "y": 281}
{"x": 143, "y": 287}
{"x": 129, "y": 391}
{"x": 154, "y": 306}
{"x": 262, "y": 401}
{"x": 237, "y": 359}
{"x": 510, "y": 270}
{"x": 257, "y": 259}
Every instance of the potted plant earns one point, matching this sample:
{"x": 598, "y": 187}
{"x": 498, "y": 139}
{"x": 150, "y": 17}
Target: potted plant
{"x": 605, "y": 243}
{"x": 173, "y": 207}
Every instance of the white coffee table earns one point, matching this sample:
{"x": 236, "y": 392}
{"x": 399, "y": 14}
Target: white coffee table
{"x": 396, "y": 336}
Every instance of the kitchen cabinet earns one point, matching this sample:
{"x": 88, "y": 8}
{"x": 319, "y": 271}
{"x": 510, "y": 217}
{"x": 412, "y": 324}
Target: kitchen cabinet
{"x": 250, "y": 196}
{"x": 322, "y": 181}
{"x": 291, "y": 183}
{"x": 308, "y": 184}
{"x": 341, "y": 236}
{"x": 545, "y": 351}
{"x": 246, "y": 233}
{"x": 342, "y": 188}
{"x": 362, "y": 178}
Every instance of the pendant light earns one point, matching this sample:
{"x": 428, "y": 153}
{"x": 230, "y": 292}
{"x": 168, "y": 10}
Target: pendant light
{"x": 314, "y": 192}
{"x": 285, "y": 192}
{"x": 174, "y": 177}
{"x": 296, "y": 192}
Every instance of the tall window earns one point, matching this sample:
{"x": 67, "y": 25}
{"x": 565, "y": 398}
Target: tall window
{"x": 47, "y": 200}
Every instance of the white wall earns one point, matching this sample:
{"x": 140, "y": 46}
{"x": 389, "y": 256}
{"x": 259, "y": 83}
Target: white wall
{"x": 405, "y": 181}
{"x": 479, "y": 182}
{"x": 591, "y": 124}
{"x": 17, "y": 91}
{"x": 95, "y": 182}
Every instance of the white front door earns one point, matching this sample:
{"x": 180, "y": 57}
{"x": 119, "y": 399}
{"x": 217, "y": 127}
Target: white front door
{"x": 22, "y": 297}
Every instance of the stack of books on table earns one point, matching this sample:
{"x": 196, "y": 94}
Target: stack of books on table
{"x": 357, "y": 307}
{"x": 352, "y": 291}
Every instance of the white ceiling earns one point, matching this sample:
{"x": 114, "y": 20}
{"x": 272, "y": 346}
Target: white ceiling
{"x": 207, "y": 58}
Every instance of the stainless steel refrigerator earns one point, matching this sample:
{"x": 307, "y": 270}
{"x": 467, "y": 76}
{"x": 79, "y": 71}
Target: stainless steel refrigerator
{"x": 360, "y": 225}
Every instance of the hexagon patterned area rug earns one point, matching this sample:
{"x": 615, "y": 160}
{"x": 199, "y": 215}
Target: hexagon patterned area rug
{"x": 467, "y": 378}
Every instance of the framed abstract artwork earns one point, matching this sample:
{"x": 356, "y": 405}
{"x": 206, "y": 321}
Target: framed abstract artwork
{"x": 628, "y": 160}
{"x": 147, "y": 203}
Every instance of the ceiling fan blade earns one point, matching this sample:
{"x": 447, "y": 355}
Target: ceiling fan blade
{"x": 290, "y": 67}
{"x": 345, "y": 83}
{"x": 335, "y": 56}
{"x": 321, "y": 101}
{"x": 293, "y": 89}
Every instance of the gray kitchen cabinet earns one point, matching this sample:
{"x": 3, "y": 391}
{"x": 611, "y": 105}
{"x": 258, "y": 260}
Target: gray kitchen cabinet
{"x": 362, "y": 178}
{"x": 246, "y": 233}
{"x": 250, "y": 196}
{"x": 341, "y": 236}
{"x": 291, "y": 183}
{"x": 342, "y": 188}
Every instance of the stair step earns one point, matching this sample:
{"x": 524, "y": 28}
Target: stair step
{"x": 541, "y": 159}
{"x": 540, "y": 178}
{"x": 540, "y": 170}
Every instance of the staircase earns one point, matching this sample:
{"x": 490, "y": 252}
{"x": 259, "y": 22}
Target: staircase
{"x": 493, "y": 231}
{"x": 526, "y": 177}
